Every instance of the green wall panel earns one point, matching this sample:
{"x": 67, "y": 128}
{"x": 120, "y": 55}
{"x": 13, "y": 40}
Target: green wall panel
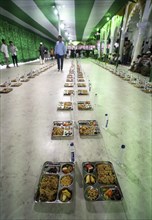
{"x": 26, "y": 41}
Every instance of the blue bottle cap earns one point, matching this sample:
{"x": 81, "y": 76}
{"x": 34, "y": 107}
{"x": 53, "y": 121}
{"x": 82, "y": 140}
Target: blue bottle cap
{"x": 71, "y": 144}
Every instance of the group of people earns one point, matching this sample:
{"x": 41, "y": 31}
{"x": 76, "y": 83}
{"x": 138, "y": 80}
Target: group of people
{"x": 59, "y": 52}
{"x": 12, "y": 49}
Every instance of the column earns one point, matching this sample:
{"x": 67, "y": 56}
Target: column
{"x": 123, "y": 31}
{"x": 143, "y": 26}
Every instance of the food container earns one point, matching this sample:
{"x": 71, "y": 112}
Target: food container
{"x": 88, "y": 128}
{"x": 68, "y": 84}
{"x": 55, "y": 185}
{"x": 83, "y": 92}
{"x": 100, "y": 182}
{"x": 81, "y": 84}
{"x": 6, "y": 90}
{"x": 84, "y": 105}
{"x": 65, "y": 106}
{"x": 68, "y": 92}
{"x": 62, "y": 129}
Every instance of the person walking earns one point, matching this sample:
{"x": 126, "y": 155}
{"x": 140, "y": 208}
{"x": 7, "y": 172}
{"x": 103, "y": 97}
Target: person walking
{"x": 60, "y": 51}
{"x": 4, "y": 50}
{"x": 42, "y": 50}
{"x": 13, "y": 49}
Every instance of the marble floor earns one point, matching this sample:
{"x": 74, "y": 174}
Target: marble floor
{"x": 27, "y": 114}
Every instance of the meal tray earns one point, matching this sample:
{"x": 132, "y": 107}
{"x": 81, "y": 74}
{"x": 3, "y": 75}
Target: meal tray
{"x": 84, "y": 105}
{"x": 81, "y": 80}
{"x": 68, "y": 92}
{"x": 88, "y": 128}
{"x": 83, "y": 92}
{"x": 16, "y": 84}
{"x": 65, "y": 106}
{"x": 62, "y": 129}
{"x": 68, "y": 84}
{"x": 69, "y": 80}
{"x": 6, "y": 90}
{"x": 100, "y": 182}
{"x": 56, "y": 183}
{"x": 81, "y": 84}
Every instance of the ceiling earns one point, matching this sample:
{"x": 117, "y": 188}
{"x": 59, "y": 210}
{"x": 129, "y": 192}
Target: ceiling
{"x": 81, "y": 18}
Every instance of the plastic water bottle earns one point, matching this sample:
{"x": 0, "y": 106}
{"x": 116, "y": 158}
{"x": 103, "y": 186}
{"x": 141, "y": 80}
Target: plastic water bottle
{"x": 106, "y": 121}
{"x": 72, "y": 152}
{"x": 89, "y": 86}
{"x": 121, "y": 154}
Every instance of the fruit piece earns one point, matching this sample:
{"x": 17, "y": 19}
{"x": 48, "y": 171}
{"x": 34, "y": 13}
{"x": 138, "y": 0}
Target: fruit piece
{"x": 92, "y": 179}
{"x": 63, "y": 197}
{"x": 88, "y": 179}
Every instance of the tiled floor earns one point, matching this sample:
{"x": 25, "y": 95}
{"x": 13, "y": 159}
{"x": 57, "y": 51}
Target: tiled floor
{"x": 27, "y": 114}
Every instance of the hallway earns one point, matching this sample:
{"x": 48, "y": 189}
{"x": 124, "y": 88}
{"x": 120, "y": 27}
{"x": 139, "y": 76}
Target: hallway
{"x": 27, "y": 115}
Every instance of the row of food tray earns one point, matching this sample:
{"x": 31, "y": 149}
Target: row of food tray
{"x": 66, "y": 128}
{"x": 56, "y": 183}
{"x": 82, "y": 105}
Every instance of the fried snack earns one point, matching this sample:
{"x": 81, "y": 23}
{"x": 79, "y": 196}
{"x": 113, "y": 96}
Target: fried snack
{"x": 66, "y": 180}
{"x": 105, "y": 174}
{"x": 92, "y": 193}
{"x": 58, "y": 131}
{"x": 48, "y": 188}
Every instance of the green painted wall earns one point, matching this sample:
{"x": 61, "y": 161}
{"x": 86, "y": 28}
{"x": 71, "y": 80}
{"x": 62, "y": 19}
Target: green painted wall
{"x": 26, "y": 41}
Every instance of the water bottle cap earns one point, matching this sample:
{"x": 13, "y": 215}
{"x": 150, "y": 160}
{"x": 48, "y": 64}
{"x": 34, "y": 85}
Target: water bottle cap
{"x": 71, "y": 144}
{"x": 106, "y": 114}
{"x": 122, "y": 146}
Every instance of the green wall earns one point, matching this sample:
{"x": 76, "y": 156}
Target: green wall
{"x": 26, "y": 41}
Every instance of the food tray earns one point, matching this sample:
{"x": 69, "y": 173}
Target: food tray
{"x": 81, "y": 80}
{"x": 83, "y": 92}
{"x": 4, "y": 85}
{"x": 84, "y": 105}
{"x": 70, "y": 76}
{"x": 88, "y": 128}
{"x": 24, "y": 80}
{"x": 65, "y": 106}
{"x": 147, "y": 90}
{"x": 69, "y": 80}
{"x": 56, "y": 183}
{"x": 6, "y": 90}
{"x": 68, "y": 84}
{"x": 81, "y": 84}
{"x": 69, "y": 92}
{"x": 100, "y": 182}
{"x": 16, "y": 84}
{"x": 62, "y": 129}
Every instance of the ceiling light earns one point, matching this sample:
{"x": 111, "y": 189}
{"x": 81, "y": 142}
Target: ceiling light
{"x": 55, "y": 11}
{"x": 62, "y": 26}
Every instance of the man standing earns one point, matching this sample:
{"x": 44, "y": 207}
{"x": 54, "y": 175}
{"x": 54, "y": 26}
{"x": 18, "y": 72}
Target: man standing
{"x": 60, "y": 51}
{"x": 4, "y": 50}
{"x": 13, "y": 49}
{"x": 42, "y": 50}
